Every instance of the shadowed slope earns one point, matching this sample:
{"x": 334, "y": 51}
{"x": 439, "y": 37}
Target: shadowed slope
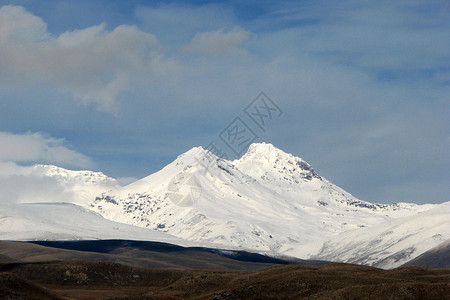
{"x": 138, "y": 253}
{"x": 438, "y": 257}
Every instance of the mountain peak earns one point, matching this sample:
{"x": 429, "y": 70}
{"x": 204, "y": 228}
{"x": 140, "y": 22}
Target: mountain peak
{"x": 269, "y": 159}
{"x": 239, "y": 203}
{"x": 74, "y": 176}
{"x": 258, "y": 149}
{"x": 262, "y": 147}
{"x": 265, "y": 151}
{"x": 196, "y": 155}
{"x": 194, "y": 151}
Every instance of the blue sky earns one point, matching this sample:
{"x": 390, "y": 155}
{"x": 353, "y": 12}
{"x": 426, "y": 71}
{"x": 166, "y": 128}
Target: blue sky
{"x": 124, "y": 87}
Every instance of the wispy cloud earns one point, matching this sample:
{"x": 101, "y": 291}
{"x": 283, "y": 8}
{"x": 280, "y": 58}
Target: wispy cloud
{"x": 177, "y": 23}
{"x": 219, "y": 42}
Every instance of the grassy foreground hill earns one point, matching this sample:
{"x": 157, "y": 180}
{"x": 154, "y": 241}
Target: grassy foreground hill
{"x": 105, "y": 280}
{"x": 136, "y": 270}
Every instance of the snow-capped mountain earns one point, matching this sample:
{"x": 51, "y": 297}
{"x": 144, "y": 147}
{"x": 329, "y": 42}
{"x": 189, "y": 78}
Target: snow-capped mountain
{"x": 73, "y": 177}
{"x": 267, "y": 200}
{"x": 82, "y": 185}
{"x": 392, "y": 244}
{"x": 49, "y": 203}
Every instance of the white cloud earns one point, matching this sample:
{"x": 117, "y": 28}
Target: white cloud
{"x": 219, "y": 42}
{"x": 36, "y": 148}
{"x": 92, "y": 64}
{"x": 23, "y": 183}
{"x": 9, "y": 168}
{"x": 16, "y": 24}
{"x": 20, "y": 185}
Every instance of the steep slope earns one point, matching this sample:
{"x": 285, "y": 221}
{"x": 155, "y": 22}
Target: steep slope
{"x": 267, "y": 200}
{"x": 392, "y": 244}
{"x": 438, "y": 257}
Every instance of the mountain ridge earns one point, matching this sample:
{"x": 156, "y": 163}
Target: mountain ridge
{"x": 267, "y": 200}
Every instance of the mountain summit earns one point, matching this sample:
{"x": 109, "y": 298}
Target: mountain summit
{"x": 268, "y": 200}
